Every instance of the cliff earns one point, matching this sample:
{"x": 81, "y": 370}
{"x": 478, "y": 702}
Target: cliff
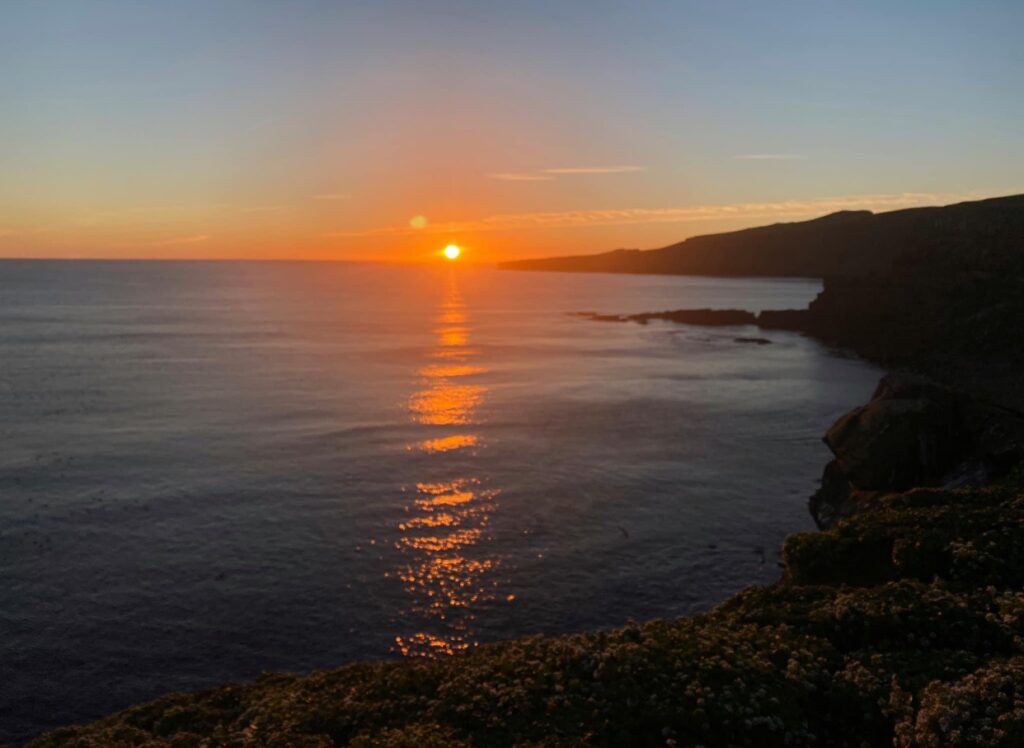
{"x": 849, "y": 243}
{"x": 953, "y": 315}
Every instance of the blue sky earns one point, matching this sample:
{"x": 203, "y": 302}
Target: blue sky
{"x": 319, "y": 129}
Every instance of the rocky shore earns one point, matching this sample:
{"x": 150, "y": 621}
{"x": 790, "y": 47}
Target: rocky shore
{"x": 914, "y": 433}
{"x": 900, "y": 623}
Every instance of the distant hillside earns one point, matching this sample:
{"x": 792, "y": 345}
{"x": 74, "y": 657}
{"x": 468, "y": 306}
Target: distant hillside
{"x": 840, "y": 244}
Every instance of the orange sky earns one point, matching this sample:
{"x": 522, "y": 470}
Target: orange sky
{"x": 194, "y": 130}
{"x": 308, "y": 232}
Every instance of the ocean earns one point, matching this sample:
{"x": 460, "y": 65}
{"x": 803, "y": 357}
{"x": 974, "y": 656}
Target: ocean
{"x": 212, "y": 470}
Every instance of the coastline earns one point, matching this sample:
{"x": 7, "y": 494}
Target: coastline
{"x": 843, "y": 650}
{"x": 920, "y": 513}
{"x": 307, "y": 440}
{"x": 717, "y": 531}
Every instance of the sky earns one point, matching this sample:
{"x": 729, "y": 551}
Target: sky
{"x": 385, "y": 130}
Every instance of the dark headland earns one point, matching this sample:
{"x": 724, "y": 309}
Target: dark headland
{"x": 900, "y": 622}
{"x": 847, "y": 243}
{"x": 936, "y": 290}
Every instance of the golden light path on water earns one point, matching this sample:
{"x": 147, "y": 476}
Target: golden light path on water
{"x": 446, "y": 570}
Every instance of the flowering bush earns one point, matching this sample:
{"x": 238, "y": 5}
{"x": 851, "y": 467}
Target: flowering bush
{"x": 986, "y": 708}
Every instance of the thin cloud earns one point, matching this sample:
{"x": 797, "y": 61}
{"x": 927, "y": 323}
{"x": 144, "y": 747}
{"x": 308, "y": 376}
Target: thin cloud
{"x": 197, "y": 239}
{"x": 332, "y": 196}
{"x": 782, "y": 210}
{"x": 594, "y": 170}
{"x": 9, "y": 232}
{"x": 770, "y": 157}
{"x": 153, "y": 214}
{"x": 263, "y": 209}
{"x": 517, "y": 177}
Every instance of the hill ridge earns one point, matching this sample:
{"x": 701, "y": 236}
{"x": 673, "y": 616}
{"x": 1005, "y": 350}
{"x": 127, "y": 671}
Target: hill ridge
{"x": 842, "y": 243}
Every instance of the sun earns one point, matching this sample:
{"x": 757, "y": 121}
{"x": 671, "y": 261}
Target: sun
{"x": 452, "y": 251}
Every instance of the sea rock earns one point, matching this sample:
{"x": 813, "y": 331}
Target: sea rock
{"x": 914, "y": 433}
{"x": 910, "y": 434}
{"x": 837, "y": 498}
{"x": 783, "y": 319}
{"x": 596, "y": 317}
{"x": 832, "y": 499}
{"x": 707, "y": 317}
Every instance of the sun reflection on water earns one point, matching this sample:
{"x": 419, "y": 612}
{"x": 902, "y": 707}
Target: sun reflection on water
{"x": 445, "y": 569}
{"x": 448, "y": 443}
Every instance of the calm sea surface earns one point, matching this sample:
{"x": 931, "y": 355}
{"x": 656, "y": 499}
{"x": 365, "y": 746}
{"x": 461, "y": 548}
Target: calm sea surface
{"x": 209, "y": 470}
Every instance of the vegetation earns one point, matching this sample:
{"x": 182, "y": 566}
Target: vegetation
{"x": 900, "y": 626}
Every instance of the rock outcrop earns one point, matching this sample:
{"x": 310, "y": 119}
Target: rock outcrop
{"x": 704, "y": 317}
{"x": 913, "y": 432}
{"x": 783, "y": 319}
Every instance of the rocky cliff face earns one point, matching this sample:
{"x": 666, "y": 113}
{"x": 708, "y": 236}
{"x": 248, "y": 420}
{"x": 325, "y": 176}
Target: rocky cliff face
{"x": 923, "y": 320}
{"x": 914, "y": 433}
{"x": 955, "y": 291}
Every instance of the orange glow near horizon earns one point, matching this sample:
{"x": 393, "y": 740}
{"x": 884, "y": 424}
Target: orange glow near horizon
{"x": 380, "y": 132}
{"x": 329, "y": 227}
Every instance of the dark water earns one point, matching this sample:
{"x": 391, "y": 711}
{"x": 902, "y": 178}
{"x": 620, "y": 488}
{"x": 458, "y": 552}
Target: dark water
{"x": 211, "y": 470}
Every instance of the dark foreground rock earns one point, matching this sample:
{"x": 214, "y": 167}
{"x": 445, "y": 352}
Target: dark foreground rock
{"x": 913, "y": 432}
{"x": 909, "y": 434}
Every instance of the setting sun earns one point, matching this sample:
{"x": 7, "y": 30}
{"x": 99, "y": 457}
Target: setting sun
{"x": 461, "y": 315}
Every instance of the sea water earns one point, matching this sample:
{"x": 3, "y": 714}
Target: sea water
{"x": 211, "y": 470}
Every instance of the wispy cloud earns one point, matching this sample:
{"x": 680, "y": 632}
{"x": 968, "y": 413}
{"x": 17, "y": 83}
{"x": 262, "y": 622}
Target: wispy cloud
{"x": 546, "y": 175}
{"x": 594, "y": 170}
{"x": 770, "y": 157}
{"x": 781, "y": 210}
{"x": 178, "y": 240}
{"x": 517, "y": 177}
{"x": 332, "y": 196}
{"x": 9, "y": 232}
{"x": 153, "y": 214}
{"x": 263, "y": 209}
